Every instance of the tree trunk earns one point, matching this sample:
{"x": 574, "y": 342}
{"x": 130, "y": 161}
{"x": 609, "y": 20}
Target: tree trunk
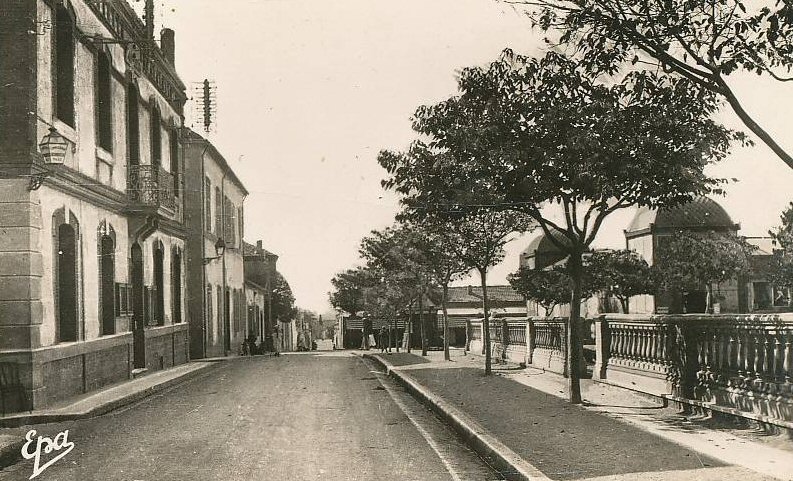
{"x": 625, "y": 301}
{"x": 573, "y": 343}
{"x": 409, "y": 327}
{"x": 446, "y": 355}
{"x": 421, "y": 323}
{"x": 485, "y": 322}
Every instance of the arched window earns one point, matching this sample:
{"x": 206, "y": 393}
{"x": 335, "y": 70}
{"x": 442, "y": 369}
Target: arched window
{"x": 155, "y": 135}
{"x": 66, "y": 241}
{"x": 104, "y": 102}
{"x": 63, "y": 72}
{"x": 133, "y": 124}
{"x": 106, "y": 250}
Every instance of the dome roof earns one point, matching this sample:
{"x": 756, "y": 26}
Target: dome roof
{"x": 542, "y": 245}
{"x": 700, "y": 212}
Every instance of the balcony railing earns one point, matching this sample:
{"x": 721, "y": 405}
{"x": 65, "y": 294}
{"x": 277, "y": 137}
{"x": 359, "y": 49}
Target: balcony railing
{"x": 150, "y": 185}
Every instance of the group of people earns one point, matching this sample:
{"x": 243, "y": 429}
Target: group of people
{"x": 252, "y": 345}
{"x": 383, "y": 340}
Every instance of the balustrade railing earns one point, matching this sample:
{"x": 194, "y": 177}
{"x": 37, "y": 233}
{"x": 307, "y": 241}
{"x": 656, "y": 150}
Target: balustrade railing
{"x": 755, "y": 356}
{"x": 517, "y": 333}
{"x": 549, "y": 334}
{"x": 150, "y": 185}
{"x": 704, "y": 357}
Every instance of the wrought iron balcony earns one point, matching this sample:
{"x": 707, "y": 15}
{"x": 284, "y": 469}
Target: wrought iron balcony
{"x": 150, "y": 186}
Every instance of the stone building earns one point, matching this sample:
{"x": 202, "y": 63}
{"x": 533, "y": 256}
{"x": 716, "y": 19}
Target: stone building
{"x": 214, "y": 197}
{"x": 651, "y": 226}
{"x": 260, "y": 269}
{"x": 92, "y": 253}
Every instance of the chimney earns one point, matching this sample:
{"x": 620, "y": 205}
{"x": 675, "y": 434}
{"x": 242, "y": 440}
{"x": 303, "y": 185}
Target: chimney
{"x": 168, "y": 45}
{"x": 148, "y": 17}
{"x": 259, "y": 245}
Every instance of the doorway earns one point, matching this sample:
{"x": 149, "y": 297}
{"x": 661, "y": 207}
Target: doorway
{"x": 67, "y": 283}
{"x": 159, "y": 285}
{"x": 107, "y": 284}
{"x": 138, "y": 332}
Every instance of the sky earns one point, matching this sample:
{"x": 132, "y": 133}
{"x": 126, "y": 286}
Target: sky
{"x": 309, "y": 91}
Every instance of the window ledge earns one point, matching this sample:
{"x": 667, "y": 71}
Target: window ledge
{"x": 67, "y": 131}
{"x": 105, "y": 156}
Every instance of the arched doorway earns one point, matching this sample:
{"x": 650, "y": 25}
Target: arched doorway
{"x": 159, "y": 284}
{"x": 138, "y": 334}
{"x": 176, "y": 285}
{"x": 107, "y": 276}
{"x": 67, "y": 283}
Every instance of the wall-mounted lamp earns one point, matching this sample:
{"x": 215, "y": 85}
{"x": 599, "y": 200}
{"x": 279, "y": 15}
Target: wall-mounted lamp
{"x": 220, "y": 249}
{"x": 53, "y": 150}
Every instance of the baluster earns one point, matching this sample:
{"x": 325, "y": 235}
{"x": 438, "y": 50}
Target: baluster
{"x": 743, "y": 353}
{"x": 628, "y": 343}
{"x": 730, "y": 355}
{"x": 768, "y": 355}
{"x": 620, "y": 342}
{"x": 646, "y": 338}
{"x": 757, "y": 345}
{"x": 721, "y": 349}
{"x": 655, "y": 341}
{"x": 779, "y": 356}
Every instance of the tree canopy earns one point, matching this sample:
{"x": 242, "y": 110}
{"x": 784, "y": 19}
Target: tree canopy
{"x": 701, "y": 40}
{"x": 524, "y": 132}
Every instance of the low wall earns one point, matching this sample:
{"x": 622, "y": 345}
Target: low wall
{"x": 55, "y": 373}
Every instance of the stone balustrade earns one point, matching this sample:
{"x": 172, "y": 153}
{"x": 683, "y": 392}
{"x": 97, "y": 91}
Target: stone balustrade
{"x": 736, "y": 363}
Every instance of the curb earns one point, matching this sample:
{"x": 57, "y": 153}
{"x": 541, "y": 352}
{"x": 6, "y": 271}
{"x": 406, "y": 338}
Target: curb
{"x": 23, "y": 420}
{"x": 506, "y": 461}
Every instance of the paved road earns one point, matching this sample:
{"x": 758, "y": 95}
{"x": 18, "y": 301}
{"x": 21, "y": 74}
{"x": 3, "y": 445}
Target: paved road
{"x": 328, "y": 416}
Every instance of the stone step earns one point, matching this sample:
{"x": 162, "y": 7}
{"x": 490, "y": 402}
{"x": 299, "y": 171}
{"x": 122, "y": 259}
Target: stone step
{"x": 136, "y": 373}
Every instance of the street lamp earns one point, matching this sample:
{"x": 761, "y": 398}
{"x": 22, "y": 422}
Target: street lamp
{"x": 220, "y": 249}
{"x": 53, "y": 147}
{"x": 53, "y": 150}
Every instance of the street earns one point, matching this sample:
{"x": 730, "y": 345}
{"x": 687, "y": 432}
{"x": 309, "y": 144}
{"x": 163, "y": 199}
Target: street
{"x": 299, "y": 416}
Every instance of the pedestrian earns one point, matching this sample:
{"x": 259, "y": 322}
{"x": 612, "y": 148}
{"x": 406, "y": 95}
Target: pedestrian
{"x": 383, "y": 338}
{"x": 276, "y": 340}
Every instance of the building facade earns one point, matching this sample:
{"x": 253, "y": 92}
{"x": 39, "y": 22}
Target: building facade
{"x": 92, "y": 257}
{"x": 214, "y": 198}
{"x": 260, "y": 270}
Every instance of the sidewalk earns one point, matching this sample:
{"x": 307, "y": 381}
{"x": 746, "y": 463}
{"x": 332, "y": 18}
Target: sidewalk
{"x": 14, "y": 426}
{"x": 521, "y": 419}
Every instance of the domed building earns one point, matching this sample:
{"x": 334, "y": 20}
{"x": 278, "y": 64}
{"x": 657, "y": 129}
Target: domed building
{"x": 650, "y": 226}
{"x": 542, "y": 252}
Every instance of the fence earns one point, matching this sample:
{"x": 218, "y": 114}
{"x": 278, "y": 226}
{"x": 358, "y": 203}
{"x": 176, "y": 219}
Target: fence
{"x": 734, "y": 363}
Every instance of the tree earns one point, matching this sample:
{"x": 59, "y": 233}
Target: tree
{"x": 690, "y": 261}
{"x": 782, "y": 262}
{"x": 620, "y": 273}
{"x": 704, "y": 41}
{"x": 548, "y": 288}
{"x": 443, "y": 263}
{"x": 401, "y": 252}
{"x": 348, "y": 293}
{"x": 527, "y": 132}
{"x": 283, "y": 302}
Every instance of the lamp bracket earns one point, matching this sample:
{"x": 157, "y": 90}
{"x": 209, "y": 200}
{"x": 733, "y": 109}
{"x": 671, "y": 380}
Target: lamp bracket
{"x": 37, "y": 179}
